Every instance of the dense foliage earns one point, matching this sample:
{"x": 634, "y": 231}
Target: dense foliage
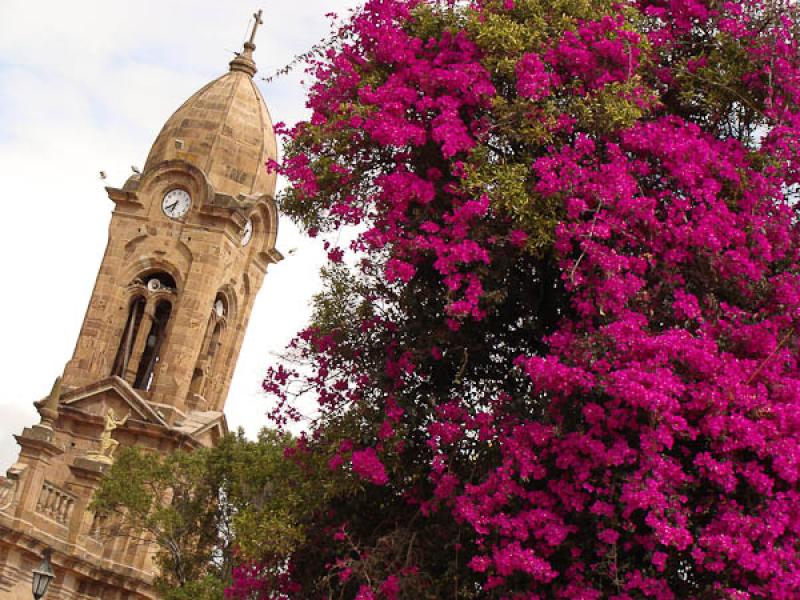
{"x": 198, "y": 509}
{"x": 559, "y": 358}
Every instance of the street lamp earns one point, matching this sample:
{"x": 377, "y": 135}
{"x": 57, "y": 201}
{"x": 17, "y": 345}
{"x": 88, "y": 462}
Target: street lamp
{"x": 43, "y": 576}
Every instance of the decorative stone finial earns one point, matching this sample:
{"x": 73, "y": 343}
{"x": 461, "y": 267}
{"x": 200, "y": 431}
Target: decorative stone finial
{"x": 244, "y": 60}
{"x": 48, "y": 408}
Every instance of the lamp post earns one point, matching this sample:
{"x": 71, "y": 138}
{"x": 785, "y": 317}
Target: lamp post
{"x": 43, "y": 576}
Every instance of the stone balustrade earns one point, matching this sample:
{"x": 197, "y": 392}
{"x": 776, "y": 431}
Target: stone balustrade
{"x": 7, "y": 489}
{"x": 99, "y": 527}
{"x": 55, "y": 503}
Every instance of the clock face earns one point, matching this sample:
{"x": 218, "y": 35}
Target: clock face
{"x": 247, "y": 232}
{"x": 219, "y": 308}
{"x": 176, "y": 203}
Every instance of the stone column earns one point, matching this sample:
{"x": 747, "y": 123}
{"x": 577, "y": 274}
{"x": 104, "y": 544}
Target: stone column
{"x": 141, "y": 341}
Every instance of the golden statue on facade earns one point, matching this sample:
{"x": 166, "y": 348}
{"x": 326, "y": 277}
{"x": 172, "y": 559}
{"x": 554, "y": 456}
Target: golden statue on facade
{"x": 108, "y": 445}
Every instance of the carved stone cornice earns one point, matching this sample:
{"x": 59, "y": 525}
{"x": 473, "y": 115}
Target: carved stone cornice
{"x": 39, "y": 441}
{"x": 124, "y": 198}
{"x": 88, "y": 472}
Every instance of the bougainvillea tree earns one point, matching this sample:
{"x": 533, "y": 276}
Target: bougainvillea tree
{"x": 558, "y": 355}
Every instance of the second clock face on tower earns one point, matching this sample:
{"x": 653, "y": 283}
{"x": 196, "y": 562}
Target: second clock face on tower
{"x": 247, "y": 232}
{"x": 176, "y": 203}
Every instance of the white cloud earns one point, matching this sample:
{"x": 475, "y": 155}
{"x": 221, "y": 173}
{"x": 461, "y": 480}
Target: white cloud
{"x": 86, "y": 86}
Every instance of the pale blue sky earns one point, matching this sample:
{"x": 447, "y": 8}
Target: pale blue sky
{"x": 85, "y": 86}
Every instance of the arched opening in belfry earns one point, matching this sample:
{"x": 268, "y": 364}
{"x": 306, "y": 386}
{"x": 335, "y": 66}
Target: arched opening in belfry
{"x": 125, "y": 351}
{"x": 206, "y": 361}
{"x": 139, "y": 350}
{"x": 153, "y": 344}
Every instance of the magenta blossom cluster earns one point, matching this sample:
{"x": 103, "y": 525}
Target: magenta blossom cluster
{"x": 680, "y": 366}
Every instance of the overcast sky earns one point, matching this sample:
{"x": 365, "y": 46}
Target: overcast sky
{"x": 85, "y": 86}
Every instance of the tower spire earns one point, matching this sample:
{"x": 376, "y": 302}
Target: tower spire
{"x": 244, "y": 60}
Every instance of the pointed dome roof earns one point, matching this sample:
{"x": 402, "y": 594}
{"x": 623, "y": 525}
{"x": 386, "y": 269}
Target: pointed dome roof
{"x": 225, "y": 130}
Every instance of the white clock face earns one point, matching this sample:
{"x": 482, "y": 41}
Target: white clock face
{"x": 176, "y": 203}
{"x": 247, "y": 232}
{"x": 219, "y": 308}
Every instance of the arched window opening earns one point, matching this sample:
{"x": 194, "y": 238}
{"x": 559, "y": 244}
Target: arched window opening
{"x": 154, "y": 294}
{"x": 204, "y": 368}
{"x": 152, "y": 349}
{"x": 125, "y": 351}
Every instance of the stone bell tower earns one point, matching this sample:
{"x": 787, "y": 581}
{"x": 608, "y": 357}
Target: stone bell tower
{"x": 189, "y": 243}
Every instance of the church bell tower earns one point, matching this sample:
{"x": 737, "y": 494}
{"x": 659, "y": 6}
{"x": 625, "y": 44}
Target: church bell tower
{"x": 190, "y": 241}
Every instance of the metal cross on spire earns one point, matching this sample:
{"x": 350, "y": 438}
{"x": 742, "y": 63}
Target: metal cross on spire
{"x": 258, "y": 22}
{"x": 244, "y": 59}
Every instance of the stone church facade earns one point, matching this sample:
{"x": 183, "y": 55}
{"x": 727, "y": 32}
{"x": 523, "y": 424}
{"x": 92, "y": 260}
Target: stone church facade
{"x": 190, "y": 241}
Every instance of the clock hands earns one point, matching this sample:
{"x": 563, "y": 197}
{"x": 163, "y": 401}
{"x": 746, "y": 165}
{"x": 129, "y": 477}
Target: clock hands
{"x": 170, "y": 207}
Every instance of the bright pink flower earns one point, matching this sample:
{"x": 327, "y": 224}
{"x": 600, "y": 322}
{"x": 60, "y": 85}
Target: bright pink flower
{"x": 368, "y": 466}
